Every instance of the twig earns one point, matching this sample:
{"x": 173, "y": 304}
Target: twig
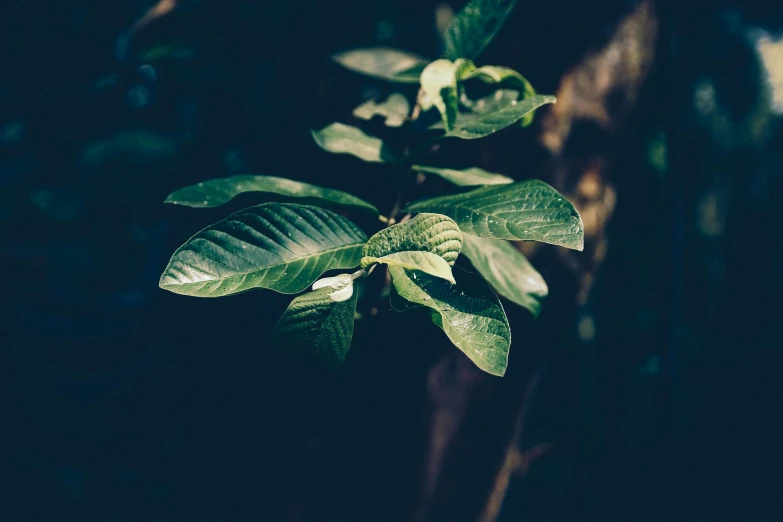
{"x": 515, "y": 460}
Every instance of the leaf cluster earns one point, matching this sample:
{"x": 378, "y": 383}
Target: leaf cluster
{"x": 301, "y": 231}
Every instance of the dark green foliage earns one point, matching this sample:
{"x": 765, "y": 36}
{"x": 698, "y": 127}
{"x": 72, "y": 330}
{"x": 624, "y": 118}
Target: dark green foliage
{"x": 286, "y": 247}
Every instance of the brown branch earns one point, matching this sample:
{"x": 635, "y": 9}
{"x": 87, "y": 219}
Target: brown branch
{"x": 515, "y": 461}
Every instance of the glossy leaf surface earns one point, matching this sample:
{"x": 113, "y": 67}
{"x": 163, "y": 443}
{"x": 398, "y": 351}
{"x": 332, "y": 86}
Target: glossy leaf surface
{"x": 489, "y": 118}
{"x": 280, "y": 246}
{"x": 316, "y": 323}
{"x": 215, "y": 192}
{"x": 528, "y": 210}
{"x": 472, "y": 28}
{"x": 465, "y": 177}
{"x": 469, "y": 313}
{"x": 384, "y": 63}
{"x": 507, "y": 270}
{"x": 426, "y": 262}
{"x": 425, "y": 233}
{"x": 339, "y": 138}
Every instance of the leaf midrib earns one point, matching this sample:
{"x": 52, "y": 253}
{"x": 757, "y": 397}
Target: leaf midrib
{"x": 505, "y": 222}
{"x": 266, "y": 267}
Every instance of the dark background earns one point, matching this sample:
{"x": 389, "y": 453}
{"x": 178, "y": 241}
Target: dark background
{"x": 659, "y": 395}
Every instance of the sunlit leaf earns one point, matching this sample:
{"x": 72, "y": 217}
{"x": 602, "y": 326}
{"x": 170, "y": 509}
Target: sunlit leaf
{"x": 426, "y": 262}
{"x": 280, "y": 246}
{"x": 384, "y": 63}
{"x": 468, "y": 312}
{"x": 528, "y": 210}
{"x": 394, "y": 110}
{"x": 339, "y": 138}
{"x": 425, "y": 233}
{"x": 215, "y": 192}
{"x": 439, "y": 84}
{"x": 465, "y": 177}
{"x": 471, "y": 29}
{"x": 507, "y": 270}
{"x": 318, "y": 325}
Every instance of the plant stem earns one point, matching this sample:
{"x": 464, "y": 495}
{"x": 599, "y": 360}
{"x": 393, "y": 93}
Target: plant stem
{"x": 364, "y": 272}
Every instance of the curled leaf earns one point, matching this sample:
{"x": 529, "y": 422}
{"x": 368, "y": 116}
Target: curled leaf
{"x": 426, "y": 232}
{"x": 439, "y": 82}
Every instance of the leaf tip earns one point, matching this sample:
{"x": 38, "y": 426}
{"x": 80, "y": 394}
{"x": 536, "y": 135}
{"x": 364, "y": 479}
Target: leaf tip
{"x": 494, "y": 370}
{"x": 580, "y": 246}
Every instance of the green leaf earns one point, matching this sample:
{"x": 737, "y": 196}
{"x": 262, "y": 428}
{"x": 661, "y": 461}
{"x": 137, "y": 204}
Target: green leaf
{"x": 399, "y": 303}
{"x": 426, "y": 262}
{"x": 439, "y": 83}
{"x": 384, "y": 63}
{"x": 465, "y": 177}
{"x": 215, "y": 192}
{"x": 411, "y": 74}
{"x": 496, "y": 101}
{"x": 316, "y": 323}
{"x": 424, "y": 233}
{"x": 339, "y": 138}
{"x": 471, "y": 30}
{"x": 280, "y": 246}
{"x": 488, "y": 118}
{"x": 495, "y": 74}
{"x": 528, "y": 210}
{"x": 469, "y": 312}
{"x": 394, "y": 110}
{"x": 507, "y": 270}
